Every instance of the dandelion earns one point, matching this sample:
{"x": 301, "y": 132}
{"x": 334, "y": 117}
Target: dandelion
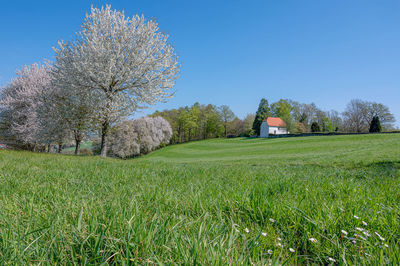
{"x": 246, "y": 230}
{"x": 291, "y": 250}
{"x": 380, "y": 237}
{"x": 313, "y": 240}
{"x": 332, "y": 259}
{"x": 355, "y": 216}
{"x": 344, "y": 232}
{"x": 271, "y": 220}
{"x": 269, "y": 251}
{"x": 264, "y": 234}
{"x": 359, "y": 229}
{"x": 364, "y": 223}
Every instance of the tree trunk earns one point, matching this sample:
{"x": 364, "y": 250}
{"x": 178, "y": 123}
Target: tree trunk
{"x": 104, "y": 133}
{"x": 179, "y": 134}
{"x": 59, "y": 148}
{"x": 77, "y": 146}
{"x": 225, "y": 131}
{"x": 78, "y": 139}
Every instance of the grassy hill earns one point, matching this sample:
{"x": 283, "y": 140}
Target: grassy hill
{"x": 222, "y": 201}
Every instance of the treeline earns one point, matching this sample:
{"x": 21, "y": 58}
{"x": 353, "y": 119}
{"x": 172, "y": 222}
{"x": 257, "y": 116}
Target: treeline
{"x": 202, "y": 121}
{"x": 302, "y": 118}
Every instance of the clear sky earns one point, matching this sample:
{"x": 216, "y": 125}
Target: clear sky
{"x": 236, "y": 52}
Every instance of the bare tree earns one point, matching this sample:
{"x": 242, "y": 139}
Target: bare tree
{"x": 227, "y": 116}
{"x": 336, "y": 119}
{"x": 379, "y": 110}
{"x": 359, "y": 114}
{"x": 127, "y": 60}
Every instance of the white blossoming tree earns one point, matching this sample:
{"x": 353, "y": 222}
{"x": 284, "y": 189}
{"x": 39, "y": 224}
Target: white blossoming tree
{"x": 140, "y": 136}
{"x": 128, "y": 62}
{"x": 20, "y": 102}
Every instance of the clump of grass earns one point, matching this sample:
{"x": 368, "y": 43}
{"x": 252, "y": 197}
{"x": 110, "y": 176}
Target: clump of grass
{"x": 320, "y": 200}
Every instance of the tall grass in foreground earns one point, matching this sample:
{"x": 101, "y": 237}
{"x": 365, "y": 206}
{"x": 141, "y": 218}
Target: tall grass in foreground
{"x": 338, "y": 207}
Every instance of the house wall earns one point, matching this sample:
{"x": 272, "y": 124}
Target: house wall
{"x": 277, "y": 130}
{"x": 264, "y": 130}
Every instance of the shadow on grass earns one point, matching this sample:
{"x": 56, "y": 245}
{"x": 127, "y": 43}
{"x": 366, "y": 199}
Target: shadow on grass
{"x": 384, "y": 164}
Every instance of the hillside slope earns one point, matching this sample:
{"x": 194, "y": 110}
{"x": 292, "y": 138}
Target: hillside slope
{"x": 344, "y": 149}
{"x": 223, "y": 201}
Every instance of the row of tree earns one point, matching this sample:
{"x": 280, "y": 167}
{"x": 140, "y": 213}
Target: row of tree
{"x": 114, "y": 66}
{"x": 201, "y": 121}
{"x": 301, "y": 118}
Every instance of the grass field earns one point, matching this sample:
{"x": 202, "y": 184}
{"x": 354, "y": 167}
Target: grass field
{"x": 84, "y": 145}
{"x": 223, "y": 201}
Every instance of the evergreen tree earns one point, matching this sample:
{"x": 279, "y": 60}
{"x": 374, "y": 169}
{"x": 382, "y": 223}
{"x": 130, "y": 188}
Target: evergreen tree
{"x": 315, "y": 127}
{"x": 375, "y": 125}
{"x": 262, "y": 113}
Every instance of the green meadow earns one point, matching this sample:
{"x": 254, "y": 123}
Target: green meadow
{"x": 305, "y": 200}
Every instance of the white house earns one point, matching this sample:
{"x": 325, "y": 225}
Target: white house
{"x": 273, "y": 125}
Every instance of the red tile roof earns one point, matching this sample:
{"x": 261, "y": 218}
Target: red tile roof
{"x": 275, "y": 122}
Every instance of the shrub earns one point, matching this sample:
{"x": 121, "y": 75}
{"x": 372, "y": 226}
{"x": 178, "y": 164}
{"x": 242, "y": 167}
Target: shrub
{"x": 86, "y": 152}
{"x": 141, "y": 136}
{"x": 315, "y": 127}
{"x": 375, "y": 125}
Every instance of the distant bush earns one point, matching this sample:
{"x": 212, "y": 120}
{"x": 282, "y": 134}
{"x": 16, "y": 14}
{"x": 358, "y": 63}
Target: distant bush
{"x": 375, "y": 125}
{"x": 86, "y": 152}
{"x": 141, "y": 136}
{"x": 96, "y": 146}
{"x": 315, "y": 127}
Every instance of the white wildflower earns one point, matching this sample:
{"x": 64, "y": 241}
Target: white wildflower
{"x": 344, "y": 232}
{"x": 269, "y": 251}
{"x": 359, "y": 229}
{"x": 386, "y": 245}
{"x": 279, "y": 239}
{"x": 355, "y": 216}
{"x": 364, "y": 223}
{"x": 271, "y": 220}
{"x": 246, "y": 230}
{"x": 366, "y": 233}
{"x": 313, "y": 240}
{"x": 264, "y": 233}
{"x": 279, "y": 244}
{"x": 380, "y": 237}
{"x": 332, "y": 259}
{"x": 291, "y": 250}
{"x": 368, "y": 255}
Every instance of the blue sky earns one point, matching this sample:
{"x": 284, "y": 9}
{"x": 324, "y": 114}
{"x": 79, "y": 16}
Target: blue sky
{"x": 236, "y": 52}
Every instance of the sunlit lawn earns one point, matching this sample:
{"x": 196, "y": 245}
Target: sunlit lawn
{"x": 191, "y": 203}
